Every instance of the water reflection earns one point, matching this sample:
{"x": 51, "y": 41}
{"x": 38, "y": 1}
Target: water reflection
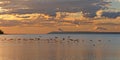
{"x": 59, "y": 48}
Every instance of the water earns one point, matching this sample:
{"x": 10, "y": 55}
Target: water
{"x": 60, "y": 47}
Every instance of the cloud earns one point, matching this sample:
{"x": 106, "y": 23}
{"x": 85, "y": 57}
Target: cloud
{"x": 7, "y": 20}
{"x": 33, "y": 16}
{"x": 5, "y": 23}
{"x": 111, "y": 14}
{"x": 71, "y": 16}
{"x": 11, "y": 23}
{"x": 52, "y": 6}
{"x": 99, "y": 13}
{"x": 113, "y": 0}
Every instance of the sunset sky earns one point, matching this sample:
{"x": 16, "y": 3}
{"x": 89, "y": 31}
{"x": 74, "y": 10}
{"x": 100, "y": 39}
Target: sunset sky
{"x": 43, "y": 16}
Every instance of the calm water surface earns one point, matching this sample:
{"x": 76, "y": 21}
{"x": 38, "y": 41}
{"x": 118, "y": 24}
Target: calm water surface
{"x": 60, "y": 47}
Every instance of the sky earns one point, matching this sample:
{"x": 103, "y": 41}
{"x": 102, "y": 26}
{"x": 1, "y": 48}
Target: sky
{"x": 43, "y": 16}
{"x": 116, "y": 4}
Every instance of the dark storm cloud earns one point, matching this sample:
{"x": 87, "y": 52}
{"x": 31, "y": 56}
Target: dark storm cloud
{"x": 52, "y": 6}
{"x": 111, "y": 14}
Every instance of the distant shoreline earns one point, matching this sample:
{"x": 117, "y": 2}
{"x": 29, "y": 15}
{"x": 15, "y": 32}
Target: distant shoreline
{"x": 69, "y": 32}
{"x": 83, "y": 32}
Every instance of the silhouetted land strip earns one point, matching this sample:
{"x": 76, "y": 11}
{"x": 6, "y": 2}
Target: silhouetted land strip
{"x": 1, "y": 32}
{"x": 83, "y": 32}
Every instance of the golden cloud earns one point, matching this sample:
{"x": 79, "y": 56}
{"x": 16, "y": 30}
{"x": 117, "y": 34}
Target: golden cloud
{"x": 33, "y": 16}
{"x": 4, "y": 2}
{"x": 71, "y": 16}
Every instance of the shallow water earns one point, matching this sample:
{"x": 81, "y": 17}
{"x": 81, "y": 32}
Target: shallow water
{"x": 60, "y": 47}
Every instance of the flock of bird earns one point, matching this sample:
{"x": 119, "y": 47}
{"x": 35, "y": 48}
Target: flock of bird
{"x": 56, "y": 39}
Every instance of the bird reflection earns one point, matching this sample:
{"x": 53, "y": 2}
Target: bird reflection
{"x": 82, "y": 40}
{"x": 93, "y": 44}
{"x": 91, "y": 40}
{"x": 109, "y": 40}
{"x": 99, "y": 40}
